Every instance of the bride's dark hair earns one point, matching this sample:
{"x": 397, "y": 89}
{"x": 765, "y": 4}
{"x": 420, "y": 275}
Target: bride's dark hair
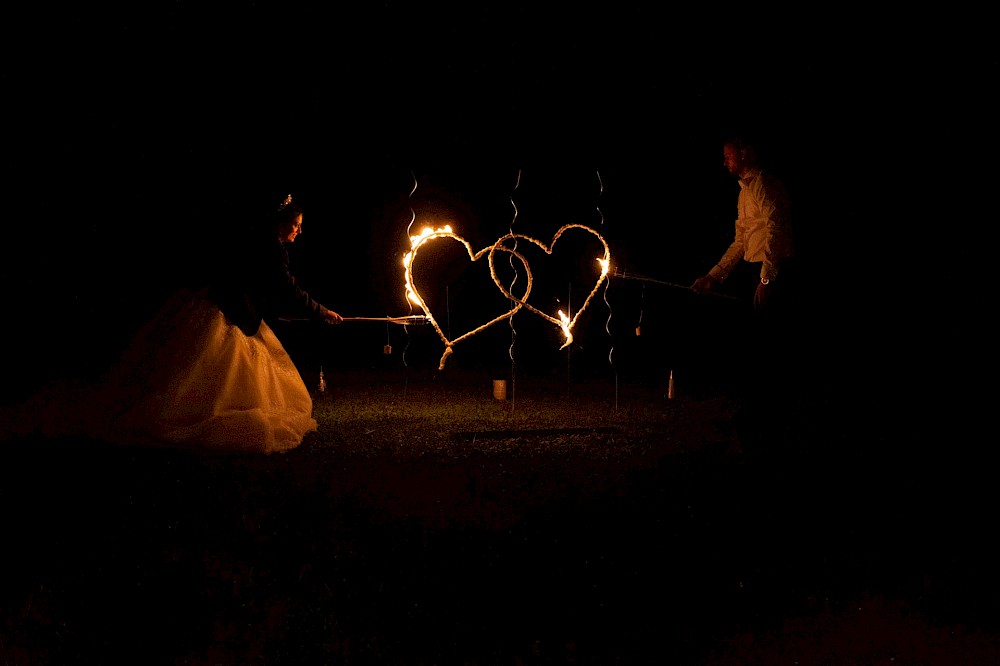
{"x": 287, "y": 211}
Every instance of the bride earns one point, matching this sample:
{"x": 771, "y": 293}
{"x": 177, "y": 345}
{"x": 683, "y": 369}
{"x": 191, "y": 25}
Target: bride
{"x": 206, "y": 372}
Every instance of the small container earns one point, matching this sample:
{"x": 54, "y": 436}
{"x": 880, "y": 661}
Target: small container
{"x": 500, "y": 389}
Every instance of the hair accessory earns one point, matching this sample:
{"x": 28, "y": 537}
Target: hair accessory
{"x": 286, "y": 203}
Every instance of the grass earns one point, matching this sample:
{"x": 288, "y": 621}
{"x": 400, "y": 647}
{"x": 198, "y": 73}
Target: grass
{"x": 464, "y": 403}
{"x": 426, "y": 522}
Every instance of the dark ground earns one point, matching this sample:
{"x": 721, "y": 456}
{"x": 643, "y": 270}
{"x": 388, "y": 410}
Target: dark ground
{"x": 395, "y": 542}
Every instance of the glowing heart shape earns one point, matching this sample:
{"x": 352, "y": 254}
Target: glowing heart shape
{"x": 563, "y": 321}
{"x": 414, "y": 295}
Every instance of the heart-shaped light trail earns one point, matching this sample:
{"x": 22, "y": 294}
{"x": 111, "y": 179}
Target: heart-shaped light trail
{"x": 564, "y": 321}
{"x": 427, "y": 235}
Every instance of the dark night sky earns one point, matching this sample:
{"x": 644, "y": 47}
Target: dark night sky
{"x": 138, "y": 139}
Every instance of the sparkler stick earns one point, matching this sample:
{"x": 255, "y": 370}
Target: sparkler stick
{"x": 408, "y": 319}
{"x": 625, "y": 275}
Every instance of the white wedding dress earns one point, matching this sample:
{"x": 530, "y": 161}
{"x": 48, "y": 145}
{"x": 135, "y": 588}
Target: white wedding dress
{"x": 189, "y": 379}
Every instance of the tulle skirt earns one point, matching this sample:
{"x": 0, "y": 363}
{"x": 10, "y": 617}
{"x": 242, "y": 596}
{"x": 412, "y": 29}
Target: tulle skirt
{"x": 190, "y": 379}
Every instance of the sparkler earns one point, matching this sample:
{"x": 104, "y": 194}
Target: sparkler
{"x": 564, "y": 321}
{"x": 426, "y": 235}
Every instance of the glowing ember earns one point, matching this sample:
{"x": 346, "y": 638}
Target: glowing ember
{"x": 415, "y": 242}
{"x": 564, "y": 322}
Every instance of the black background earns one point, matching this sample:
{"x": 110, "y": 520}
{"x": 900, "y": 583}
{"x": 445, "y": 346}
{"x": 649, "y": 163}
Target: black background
{"x": 140, "y": 140}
